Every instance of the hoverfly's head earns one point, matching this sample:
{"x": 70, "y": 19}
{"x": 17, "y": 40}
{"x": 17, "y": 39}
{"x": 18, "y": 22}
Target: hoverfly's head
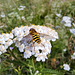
{"x": 32, "y": 31}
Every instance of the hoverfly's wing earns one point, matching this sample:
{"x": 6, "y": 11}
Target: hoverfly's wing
{"x": 26, "y": 39}
{"x": 47, "y": 37}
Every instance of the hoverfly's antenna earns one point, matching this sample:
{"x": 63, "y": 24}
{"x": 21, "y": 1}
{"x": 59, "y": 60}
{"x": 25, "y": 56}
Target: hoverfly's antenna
{"x": 43, "y": 45}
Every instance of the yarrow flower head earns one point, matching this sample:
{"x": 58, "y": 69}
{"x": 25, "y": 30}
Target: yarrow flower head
{"x": 21, "y": 7}
{"x": 36, "y": 73}
{"x": 2, "y": 14}
{"x": 66, "y": 67}
{"x": 67, "y": 21}
{"x": 14, "y": 14}
{"x": 2, "y": 49}
{"x": 64, "y": 50}
{"x": 11, "y": 48}
{"x": 58, "y": 15}
{"x": 73, "y": 24}
{"x": 25, "y": 44}
{"x": 72, "y": 31}
{"x": 5, "y": 41}
{"x": 73, "y": 56}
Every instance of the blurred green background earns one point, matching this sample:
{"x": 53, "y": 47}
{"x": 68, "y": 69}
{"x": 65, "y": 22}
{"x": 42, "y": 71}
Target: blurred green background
{"x": 14, "y": 13}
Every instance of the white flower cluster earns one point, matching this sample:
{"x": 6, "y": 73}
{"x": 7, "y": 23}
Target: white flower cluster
{"x": 2, "y": 14}
{"x": 73, "y": 56}
{"x": 73, "y": 24}
{"x": 40, "y": 51}
{"x": 67, "y": 21}
{"x": 72, "y": 31}
{"x": 58, "y": 15}
{"x": 66, "y": 67}
{"x": 14, "y": 14}
{"x": 5, "y": 41}
{"x": 21, "y": 7}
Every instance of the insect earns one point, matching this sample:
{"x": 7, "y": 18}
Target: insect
{"x": 34, "y": 36}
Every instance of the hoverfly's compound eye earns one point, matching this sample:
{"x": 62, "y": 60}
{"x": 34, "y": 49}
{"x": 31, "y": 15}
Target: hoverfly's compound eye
{"x": 32, "y": 30}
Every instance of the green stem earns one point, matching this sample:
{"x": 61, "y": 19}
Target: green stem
{"x": 33, "y": 65}
{"x": 43, "y": 64}
{"x": 19, "y": 60}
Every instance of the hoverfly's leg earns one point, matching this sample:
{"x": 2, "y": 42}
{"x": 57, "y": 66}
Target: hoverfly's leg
{"x": 43, "y": 45}
{"x": 34, "y": 47}
{"x": 33, "y": 42}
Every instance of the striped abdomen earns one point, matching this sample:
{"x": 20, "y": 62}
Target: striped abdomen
{"x": 36, "y": 38}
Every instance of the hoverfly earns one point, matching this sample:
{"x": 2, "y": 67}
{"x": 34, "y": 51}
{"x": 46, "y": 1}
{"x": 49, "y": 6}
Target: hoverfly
{"x": 34, "y": 36}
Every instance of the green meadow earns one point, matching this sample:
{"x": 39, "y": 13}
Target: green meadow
{"x": 56, "y": 14}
